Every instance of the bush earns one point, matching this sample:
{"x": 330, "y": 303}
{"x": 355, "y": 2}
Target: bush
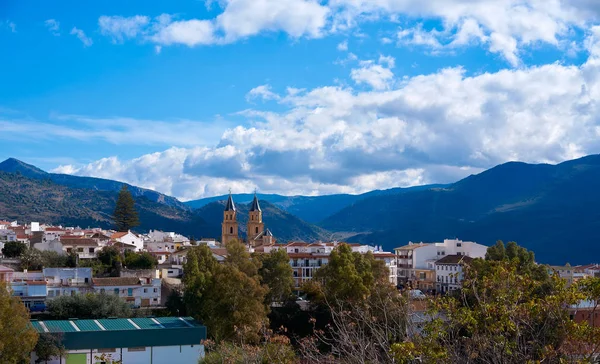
{"x": 88, "y": 306}
{"x": 13, "y": 249}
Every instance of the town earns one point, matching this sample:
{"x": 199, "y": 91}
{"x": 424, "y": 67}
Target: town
{"x": 152, "y": 269}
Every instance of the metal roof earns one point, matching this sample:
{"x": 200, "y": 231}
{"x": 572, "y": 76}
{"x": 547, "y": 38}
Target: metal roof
{"x": 123, "y": 332}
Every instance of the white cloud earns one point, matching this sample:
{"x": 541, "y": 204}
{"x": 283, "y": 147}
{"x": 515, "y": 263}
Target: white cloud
{"x": 188, "y": 32}
{"x": 82, "y": 37}
{"x": 263, "y": 91}
{"x": 120, "y": 28}
{"x": 53, "y": 26}
{"x": 343, "y": 46}
{"x": 429, "y": 128}
{"x": 378, "y": 76}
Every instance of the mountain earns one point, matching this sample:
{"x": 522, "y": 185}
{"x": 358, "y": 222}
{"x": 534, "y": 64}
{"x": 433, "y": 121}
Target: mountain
{"x": 12, "y": 165}
{"x": 551, "y": 209}
{"x": 34, "y": 199}
{"x": 312, "y": 209}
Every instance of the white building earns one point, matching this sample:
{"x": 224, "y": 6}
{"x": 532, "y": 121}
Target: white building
{"x": 128, "y": 239}
{"x": 137, "y": 291}
{"x": 163, "y": 236}
{"x": 416, "y": 261}
{"x": 449, "y": 272}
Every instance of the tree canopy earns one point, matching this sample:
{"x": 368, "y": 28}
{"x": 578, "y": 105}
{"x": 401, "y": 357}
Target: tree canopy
{"x": 17, "y": 336}
{"x": 88, "y": 306}
{"x": 141, "y": 260}
{"x": 277, "y": 274}
{"x": 13, "y": 249}
{"x": 125, "y": 215}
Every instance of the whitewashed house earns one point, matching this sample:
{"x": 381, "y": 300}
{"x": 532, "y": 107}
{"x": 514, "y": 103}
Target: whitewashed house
{"x": 137, "y": 291}
{"x": 449, "y": 272}
{"x": 128, "y": 240}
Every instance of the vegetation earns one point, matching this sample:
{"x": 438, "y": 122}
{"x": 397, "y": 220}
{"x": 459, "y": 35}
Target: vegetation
{"x": 227, "y": 297}
{"x": 17, "y": 337}
{"x": 34, "y": 259}
{"x": 273, "y": 349}
{"x": 87, "y": 306}
{"x": 125, "y": 214}
{"x": 13, "y": 249}
{"x": 276, "y": 273}
{"x": 141, "y": 260}
{"x": 49, "y": 346}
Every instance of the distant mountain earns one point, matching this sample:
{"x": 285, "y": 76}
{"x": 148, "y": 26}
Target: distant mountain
{"x": 28, "y": 199}
{"x": 284, "y": 226}
{"x": 312, "y": 209}
{"x": 12, "y": 165}
{"x": 551, "y": 209}
{"x": 33, "y": 199}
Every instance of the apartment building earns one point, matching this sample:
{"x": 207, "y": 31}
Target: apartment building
{"x": 449, "y": 272}
{"x": 416, "y": 261}
{"x": 137, "y": 291}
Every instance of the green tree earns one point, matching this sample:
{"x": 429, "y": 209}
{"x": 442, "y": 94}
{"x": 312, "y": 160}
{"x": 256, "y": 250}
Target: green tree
{"x": 277, "y": 274}
{"x": 238, "y": 256}
{"x": 349, "y": 276}
{"x": 13, "y": 249}
{"x": 18, "y": 337}
{"x": 228, "y": 300}
{"x": 32, "y": 259}
{"x": 109, "y": 255}
{"x": 125, "y": 215}
{"x": 49, "y": 346}
{"x": 142, "y": 260}
{"x": 87, "y": 306}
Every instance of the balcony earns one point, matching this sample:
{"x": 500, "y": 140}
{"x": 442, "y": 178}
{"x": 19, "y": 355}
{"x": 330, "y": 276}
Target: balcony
{"x": 405, "y": 266}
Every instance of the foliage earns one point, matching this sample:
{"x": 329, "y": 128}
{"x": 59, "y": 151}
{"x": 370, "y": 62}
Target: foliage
{"x": 502, "y": 315}
{"x": 13, "y": 249}
{"x": 273, "y": 349}
{"x": 275, "y": 271}
{"x": 49, "y": 345}
{"x": 88, "y": 306}
{"x": 227, "y": 297}
{"x": 34, "y": 259}
{"x": 109, "y": 255}
{"x": 17, "y": 337}
{"x": 348, "y": 277}
{"x": 107, "y": 359}
{"x": 175, "y": 305}
{"x": 238, "y": 257}
{"x": 125, "y": 215}
{"x": 141, "y": 260}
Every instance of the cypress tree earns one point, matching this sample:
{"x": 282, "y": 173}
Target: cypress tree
{"x": 125, "y": 214}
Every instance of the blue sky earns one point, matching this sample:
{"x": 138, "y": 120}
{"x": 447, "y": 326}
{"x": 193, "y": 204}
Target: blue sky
{"x": 192, "y": 98}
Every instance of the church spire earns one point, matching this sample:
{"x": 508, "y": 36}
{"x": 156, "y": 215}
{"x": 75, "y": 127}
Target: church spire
{"x": 230, "y": 206}
{"x": 255, "y": 206}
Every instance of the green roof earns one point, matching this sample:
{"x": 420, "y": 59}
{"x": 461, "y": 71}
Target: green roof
{"x": 121, "y": 333}
{"x": 87, "y": 325}
{"x": 116, "y": 324}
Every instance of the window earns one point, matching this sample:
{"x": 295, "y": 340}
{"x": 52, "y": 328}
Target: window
{"x": 86, "y": 280}
{"x": 459, "y": 244}
{"x": 231, "y": 230}
{"x": 145, "y": 290}
{"x": 252, "y": 217}
{"x": 92, "y": 250}
{"x": 155, "y": 290}
{"x": 257, "y": 229}
{"x": 101, "y": 290}
{"x": 116, "y": 291}
{"x": 422, "y": 275}
{"x": 69, "y": 250}
{"x": 130, "y": 292}
{"x": 80, "y": 250}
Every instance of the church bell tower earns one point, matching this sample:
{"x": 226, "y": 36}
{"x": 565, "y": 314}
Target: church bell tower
{"x": 229, "y": 227}
{"x": 255, "y": 223}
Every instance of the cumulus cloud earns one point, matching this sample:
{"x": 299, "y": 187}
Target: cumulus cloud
{"x": 263, "y": 92}
{"x": 343, "y": 46}
{"x": 431, "y": 128}
{"x": 82, "y": 37}
{"x": 53, "y": 26}
{"x": 377, "y": 75}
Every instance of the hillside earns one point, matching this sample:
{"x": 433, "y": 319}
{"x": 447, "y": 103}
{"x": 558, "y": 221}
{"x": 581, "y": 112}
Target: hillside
{"x": 12, "y": 165}
{"x": 26, "y": 199}
{"x": 312, "y": 209}
{"x": 544, "y": 207}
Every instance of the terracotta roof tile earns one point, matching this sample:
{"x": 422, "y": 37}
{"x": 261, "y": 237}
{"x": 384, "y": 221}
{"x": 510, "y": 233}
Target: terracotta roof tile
{"x": 118, "y": 235}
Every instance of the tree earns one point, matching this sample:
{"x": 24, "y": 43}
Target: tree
{"x": 18, "y": 337}
{"x": 238, "y": 256}
{"x": 142, "y": 260}
{"x": 277, "y": 274}
{"x": 13, "y": 249}
{"x": 87, "y": 306}
{"x": 125, "y": 215}
{"x": 223, "y": 296}
{"x": 109, "y": 255}
{"x": 32, "y": 259}
{"x": 273, "y": 349}
{"x": 49, "y": 345}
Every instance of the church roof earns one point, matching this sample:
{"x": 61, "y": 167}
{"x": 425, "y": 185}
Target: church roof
{"x": 255, "y": 206}
{"x": 230, "y": 206}
{"x": 268, "y": 233}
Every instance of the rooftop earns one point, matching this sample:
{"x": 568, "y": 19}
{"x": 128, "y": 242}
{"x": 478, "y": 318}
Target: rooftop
{"x": 412, "y": 246}
{"x": 454, "y": 259}
{"x": 123, "y": 332}
{"x": 116, "y": 281}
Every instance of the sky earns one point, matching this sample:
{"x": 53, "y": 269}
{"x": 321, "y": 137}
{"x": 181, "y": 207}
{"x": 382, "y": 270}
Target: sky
{"x": 193, "y": 98}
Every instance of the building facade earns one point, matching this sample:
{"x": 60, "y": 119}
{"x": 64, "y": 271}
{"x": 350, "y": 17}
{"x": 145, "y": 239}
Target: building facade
{"x": 449, "y": 272}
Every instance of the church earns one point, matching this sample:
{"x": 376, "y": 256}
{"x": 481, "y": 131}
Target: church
{"x": 256, "y": 235}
